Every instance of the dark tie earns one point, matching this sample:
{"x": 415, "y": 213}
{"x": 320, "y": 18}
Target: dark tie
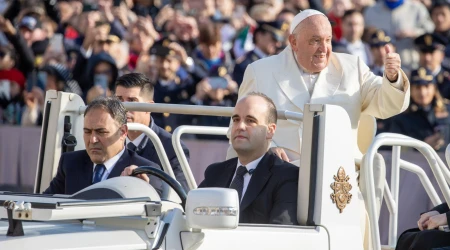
{"x": 98, "y": 173}
{"x": 238, "y": 181}
{"x": 131, "y": 146}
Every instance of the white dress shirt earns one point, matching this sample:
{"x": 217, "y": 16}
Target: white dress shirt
{"x": 259, "y": 53}
{"x": 136, "y": 141}
{"x": 310, "y": 79}
{"x": 109, "y": 164}
{"x": 247, "y": 176}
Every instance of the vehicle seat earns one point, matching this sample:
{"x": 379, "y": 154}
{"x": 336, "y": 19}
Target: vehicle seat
{"x": 366, "y": 132}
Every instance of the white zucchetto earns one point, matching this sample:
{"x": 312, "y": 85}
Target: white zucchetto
{"x": 302, "y": 16}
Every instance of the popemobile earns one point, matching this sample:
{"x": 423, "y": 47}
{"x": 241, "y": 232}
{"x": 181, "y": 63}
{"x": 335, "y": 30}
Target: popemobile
{"x": 127, "y": 213}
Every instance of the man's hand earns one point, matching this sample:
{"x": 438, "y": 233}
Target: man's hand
{"x": 129, "y": 170}
{"x": 392, "y": 64}
{"x": 423, "y": 221}
{"x": 436, "y": 221}
{"x": 180, "y": 51}
{"x": 435, "y": 140}
{"x": 280, "y": 153}
{"x": 202, "y": 89}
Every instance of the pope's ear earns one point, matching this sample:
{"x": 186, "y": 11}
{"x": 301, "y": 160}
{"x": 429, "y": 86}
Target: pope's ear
{"x": 293, "y": 42}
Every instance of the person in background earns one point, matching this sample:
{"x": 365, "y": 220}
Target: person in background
{"x": 53, "y": 77}
{"x": 431, "y": 48}
{"x": 267, "y": 38}
{"x": 440, "y": 14}
{"x": 100, "y": 76}
{"x": 352, "y": 32}
{"x": 427, "y": 118}
{"x": 12, "y": 83}
{"x": 136, "y": 87}
{"x": 411, "y": 19}
{"x": 335, "y": 16}
{"x": 174, "y": 84}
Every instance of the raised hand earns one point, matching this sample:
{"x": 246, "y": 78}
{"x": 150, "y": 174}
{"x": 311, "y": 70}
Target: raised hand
{"x": 392, "y": 63}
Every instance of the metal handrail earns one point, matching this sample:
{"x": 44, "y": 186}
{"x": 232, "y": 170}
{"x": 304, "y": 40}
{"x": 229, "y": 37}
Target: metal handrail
{"x": 192, "y": 110}
{"x": 176, "y": 141}
{"x": 167, "y": 192}
{"x": 389, "y": 139}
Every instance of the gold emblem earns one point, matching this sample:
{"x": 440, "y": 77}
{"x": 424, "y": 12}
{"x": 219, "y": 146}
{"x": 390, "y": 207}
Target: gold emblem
{"x": 341, "y": 187}
{"x": 285, "y": 26}
{"x": 222, "y": 71}
{"x": 422, "y": 72}
{"x": 428, "y": 40}
{"x": 381, "y": 35}
{"x": 166, "y": 115}
{"x": 168, "y": 129}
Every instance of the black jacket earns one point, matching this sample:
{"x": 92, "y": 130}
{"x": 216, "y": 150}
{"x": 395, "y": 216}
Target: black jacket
{"x": 76, "y": 169}
{"x": 271, "y": 196}
{"x": 149, "y": 153}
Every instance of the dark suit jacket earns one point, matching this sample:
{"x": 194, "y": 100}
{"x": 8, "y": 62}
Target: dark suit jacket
{"x": 271, "y": 196}
{"x": 75, "y": 171}
{"x": 149, "y": 153}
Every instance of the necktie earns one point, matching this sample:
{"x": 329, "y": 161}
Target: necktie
{"x": 98, "y": 173}
{"x": 238, "y": 181}
{"x": 131, "y": 146}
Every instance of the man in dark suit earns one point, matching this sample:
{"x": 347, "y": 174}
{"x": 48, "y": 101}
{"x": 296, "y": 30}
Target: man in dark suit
{"x": 426, "y": 237}
{"x": 105, "y": 156}
{"x": 267, "y": 186}
{"x": 136, "y": 87}
{"x": 267, "y": 38}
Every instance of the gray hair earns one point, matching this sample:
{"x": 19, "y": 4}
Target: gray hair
{"x": 112, "y": 105}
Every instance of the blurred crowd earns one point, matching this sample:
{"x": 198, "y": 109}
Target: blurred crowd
{"x": 196, "y": 51}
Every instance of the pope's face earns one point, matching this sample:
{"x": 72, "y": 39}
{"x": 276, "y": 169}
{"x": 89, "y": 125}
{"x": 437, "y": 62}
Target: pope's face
{"x": 311, "y": 42}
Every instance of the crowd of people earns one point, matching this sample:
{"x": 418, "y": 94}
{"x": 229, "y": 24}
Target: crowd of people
{"x": 196, "y": 52}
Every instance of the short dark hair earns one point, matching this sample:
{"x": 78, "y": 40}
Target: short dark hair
{"x": 438, "y": 4}
{"x": 209, "y": 33}
{"x": 272, "y": 116}
{"x": 112, "y": 105}
{"x": 349, "y": 13}
{"x": 140, "y": 80}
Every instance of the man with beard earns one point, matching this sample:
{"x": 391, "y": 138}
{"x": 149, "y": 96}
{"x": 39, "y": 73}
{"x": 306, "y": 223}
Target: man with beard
{"x": 136, "y": 87}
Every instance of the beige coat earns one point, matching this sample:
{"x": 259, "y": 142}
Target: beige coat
{"x": 346, "y": 82}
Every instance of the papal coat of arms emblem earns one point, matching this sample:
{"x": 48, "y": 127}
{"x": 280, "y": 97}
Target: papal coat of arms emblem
{"x": 341, "y": 187}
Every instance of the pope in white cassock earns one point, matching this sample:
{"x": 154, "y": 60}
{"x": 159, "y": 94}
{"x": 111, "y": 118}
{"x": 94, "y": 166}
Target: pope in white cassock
{"x": 307, "y": 71}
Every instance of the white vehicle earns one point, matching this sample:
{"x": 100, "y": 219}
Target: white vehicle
{"x": 127, "y": 213}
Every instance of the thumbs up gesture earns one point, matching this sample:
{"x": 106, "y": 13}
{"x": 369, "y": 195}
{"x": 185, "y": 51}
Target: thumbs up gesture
{"x": 392, "y": 64}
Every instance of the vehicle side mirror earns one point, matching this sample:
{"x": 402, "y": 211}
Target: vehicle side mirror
{"x": 212, "y": 208}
